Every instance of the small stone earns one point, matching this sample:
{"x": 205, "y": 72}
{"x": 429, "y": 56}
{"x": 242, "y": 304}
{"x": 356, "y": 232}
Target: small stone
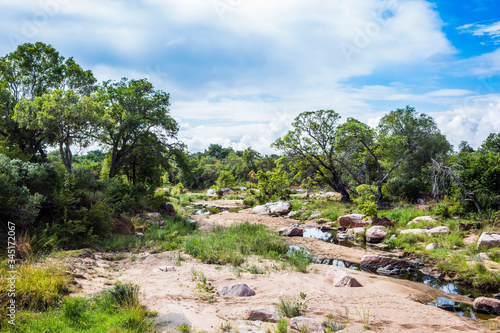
{"x": 438, "y": 230}
{"x": 341, "y": 278}
{"x": 154, "y": 215}
{"x": 314, "y": 216}
{"x": 263, "y": 315}
{"x": 432, "y": 246}
{"x": 292, "y": 232}
{"x": 169, "y": 207}
{"x": 306, "y": 324}
{"x": 292, "y": 214}
{"x": 139, "y": 234}
{"x": 236, "y": 290}
{"x": 413, "y": 231}
{"x": 166, "y": 269}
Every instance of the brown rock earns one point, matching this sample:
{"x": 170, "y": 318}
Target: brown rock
{"x": 352, "y": 221}
{"x": 341, "y": 278}
{"x": 123, "y": 226}
{"x": 262, "y": 315}
{"x": 372, "y": 262}
{"x": 488, "y": 305}
{"x": 154, "y": 215}
{"x": 236, "y": 290}
{"x": 292, "y": 232}
{"x": 169, "y": 207}
{"x": 383, "y": 221}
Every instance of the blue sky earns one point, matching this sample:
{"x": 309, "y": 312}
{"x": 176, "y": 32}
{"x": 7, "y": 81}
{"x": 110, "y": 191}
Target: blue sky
{"x": 239, "y": 71}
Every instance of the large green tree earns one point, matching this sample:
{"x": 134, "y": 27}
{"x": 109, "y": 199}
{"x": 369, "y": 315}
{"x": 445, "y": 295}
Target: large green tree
{"x": 136, "y": 118}
{"x": 312, "y": 143}
{"x": 66, "y": 118}
{"x": 29, "y": 72}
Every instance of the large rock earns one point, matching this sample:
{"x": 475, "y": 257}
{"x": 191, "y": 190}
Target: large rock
{"x": 169, "y": 207}
{"x": 376, "y": 234}
{"x": 262, "y": 315}
{"x": 261, "y": 210}
{"x": 211, "y": 193}
{"x": 306, "y": 324}
{"x": 341, "y": 278}
{"x": 413, "y": 231}
{"x": 488, "y": 240}
{"x": 354, "y": 232}
{"x": 352, "y": 221}
{"x": 438, "y": 230}
{"x": 487, "y": 305}
{"x": 236, "y": 290}
{"x": 123, "y": 226}
{"x": 292, "y": 232}
{"x": 373, "y": 262}
{"x": 279, "y": 208}
{"x": 423, "y": 218}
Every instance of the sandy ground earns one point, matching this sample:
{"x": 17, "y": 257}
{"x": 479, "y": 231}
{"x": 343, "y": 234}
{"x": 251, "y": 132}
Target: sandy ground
{"x": 391, "y": 305}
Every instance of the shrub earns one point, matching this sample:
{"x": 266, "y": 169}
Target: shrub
{"x": 366, "y": 200}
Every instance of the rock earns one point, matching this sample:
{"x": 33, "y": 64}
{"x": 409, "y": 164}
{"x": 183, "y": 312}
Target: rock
{"x": 389, "y": 270}
{"x": 341, "y": 278}
{"x": 139, "y": 234}
{"x": 484, "y": 256}
{"x": 488, "y": 240}
{"x": 314, "y": 216}
{"x": 292, "y": 214}
{"x": 438, "y": 230}
{"x": 303, "y": 208}
{"x": 169, "y": 207}
{"x": 413, "y": 231}
{"x": 262, "y": 315}
{"x": 432, "y": 246}
{"x": 261, "y": 210}
{"x": 372, "y": 262}
{"x": 123, "y": 226}
{"x": 279, "y": 208}
{"x": 355, "y": 231}
{"x": 292, "y": 232}
{"x": 428, "y": 271}
{"x": 211, "y": 193}
{"x": 423, "y": 218}
{"x": 154, "y": 215}
{"x": 487, "y": 305}
{"x": 236, "y": 290}
{"x": 325, "y": 228}
{"x": 466, "y": 226}
{"x": 450, "y": 307}
{"x": 497, "y": 296}
{"x": 352, "y": 221}
{"x": 420, "y": 201}
{"x": 376, "y": 234}
{"x": 393, "y": 237}
{"x": 383, "y": 221}
{"x": 166, "y": 269}
{"x": 306, "y": 324}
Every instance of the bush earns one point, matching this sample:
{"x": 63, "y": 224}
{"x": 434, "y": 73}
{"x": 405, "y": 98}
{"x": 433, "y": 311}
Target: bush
{"x": 366, "y": 201}
{"x": 249, "y": 201}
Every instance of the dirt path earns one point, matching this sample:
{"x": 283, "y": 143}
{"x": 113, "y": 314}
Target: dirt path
{"x": 391, "y": 305}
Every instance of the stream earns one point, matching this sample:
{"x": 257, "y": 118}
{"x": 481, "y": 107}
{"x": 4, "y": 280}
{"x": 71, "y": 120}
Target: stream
{"x": 417, "y": 275}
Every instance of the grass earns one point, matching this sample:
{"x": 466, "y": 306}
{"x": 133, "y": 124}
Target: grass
{"x": 234, "y": 244}
{"x": 290, "y": 308}
{"x": 38, "y": 286}
{"x": 113, "y": 310}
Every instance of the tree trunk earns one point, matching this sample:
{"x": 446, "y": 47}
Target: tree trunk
{"x": 66, "y": 157}
{"x": 346, "y": 197}
{"x": 379, "y": 197}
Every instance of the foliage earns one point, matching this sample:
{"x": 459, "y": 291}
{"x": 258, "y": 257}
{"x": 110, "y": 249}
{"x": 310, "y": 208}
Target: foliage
{"x": 366, "y": 201}
{"x": 291, "y": 308}
{"x": 272, "y": 185}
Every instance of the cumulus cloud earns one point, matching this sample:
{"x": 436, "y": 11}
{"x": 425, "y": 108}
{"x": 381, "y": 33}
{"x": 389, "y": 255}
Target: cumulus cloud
{"x": 491, "y": 30}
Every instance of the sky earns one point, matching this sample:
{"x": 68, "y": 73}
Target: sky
{"x": 239, "y": 71}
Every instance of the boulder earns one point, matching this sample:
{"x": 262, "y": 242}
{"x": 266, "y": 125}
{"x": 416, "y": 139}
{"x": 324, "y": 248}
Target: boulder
{"x": 383, "y": 221}
{"x": 376, "y": 234}
{"x": 236, "y": 290}
{"x": 413, "y": 231}
{"x": 292, "y": 232}
{"x": 154, "y": 215}
{"x": 438, "y": 230}
{"x": 432, "y": 246}
{"x": 261, "y": 210}
{"x": 211, "y": 193}
{"x": 352, "y": 221}
{"x": 279, "y": 208}
{"x": 487, "y": 305}
{"x": 488, "y": 240}
{"x": 341, "y": 278}
{"x": 355, "y": 231}
{"x": 262, "y": 315}
{"x": 423, "y": 218}
{"x": 169, "y": 207}
{"x": 373, "y": 262}
{"x": 306, "y": 324}
{"x": 123, "y": 226}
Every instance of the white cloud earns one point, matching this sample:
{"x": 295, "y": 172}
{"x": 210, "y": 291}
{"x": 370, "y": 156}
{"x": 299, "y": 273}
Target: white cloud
{"x": 478, "y": 29}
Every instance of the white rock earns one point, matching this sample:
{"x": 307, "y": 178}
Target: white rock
{"x": 438, "y": 230}
{"x": 413, "y": 231}
{"x": 261, "y": 210}
{"x": 488, "y": 240}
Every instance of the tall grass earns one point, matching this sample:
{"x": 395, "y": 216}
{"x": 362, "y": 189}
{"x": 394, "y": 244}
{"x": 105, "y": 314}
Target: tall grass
{"x": 233, "y": 245}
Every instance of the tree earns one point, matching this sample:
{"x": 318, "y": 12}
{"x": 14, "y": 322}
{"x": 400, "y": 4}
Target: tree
{"x": 133, "y": 112}
{"x": 66, "y": 118}
{"x": 492, "y": 143}
{"x": 29, "y": 72}
{"x": 312, "y": 143}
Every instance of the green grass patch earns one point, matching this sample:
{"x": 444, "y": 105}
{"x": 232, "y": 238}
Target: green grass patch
{"x": 114, "y": 310}
{"x": 234, "y": 244}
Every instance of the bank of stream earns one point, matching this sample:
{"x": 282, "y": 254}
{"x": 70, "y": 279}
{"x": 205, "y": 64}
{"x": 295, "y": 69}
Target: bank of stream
{"x": 417, "y": 274}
